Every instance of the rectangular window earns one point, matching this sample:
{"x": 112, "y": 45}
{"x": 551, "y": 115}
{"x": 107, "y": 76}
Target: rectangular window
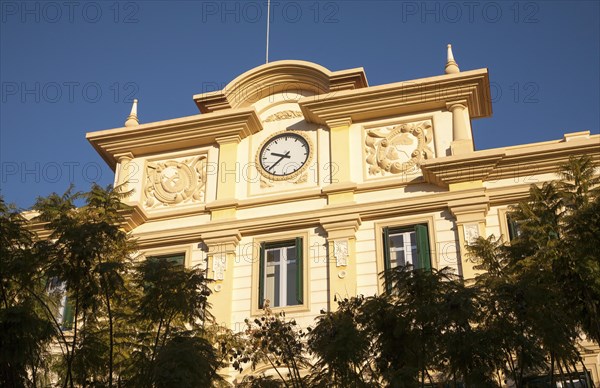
{"x": 514, "y": 230}
{"x": 281, "y": 273}
{"x": 65, "y": 310}
{"x": 177, "y": 258}
{"x": 406, "y": 245}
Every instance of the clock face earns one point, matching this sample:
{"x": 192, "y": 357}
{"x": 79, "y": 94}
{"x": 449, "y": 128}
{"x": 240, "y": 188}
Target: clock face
{"x": 284, "y": 154}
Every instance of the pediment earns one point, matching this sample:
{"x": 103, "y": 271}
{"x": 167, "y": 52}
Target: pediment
{"x": 280, "y": 77}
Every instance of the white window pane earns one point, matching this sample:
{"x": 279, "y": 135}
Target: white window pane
{"x": 292, "y": 283}
{"x": 403, "y": 248}
{"x": 281, "y": 272}
{"x": 272, "y": 285}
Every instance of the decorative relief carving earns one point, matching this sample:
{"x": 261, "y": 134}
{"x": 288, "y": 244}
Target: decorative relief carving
{"x": 218, "y": 265}
{"x": 285, "y": 114}
{"x": 172, "y": 182}
{"x": 399, "y": 149}
{"x": 340, "y": 252}
{"x": 471, "y": 233}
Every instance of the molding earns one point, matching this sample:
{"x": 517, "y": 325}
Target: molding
{"x": 134, "y": 216}
{"x": 170, "y": 135}
{"x": 472, "y": 209}
{"x": 341, "y": 227}
{"x": 402, "y": 98}
{"x": 222, "y": 204}
{"x": 335, "y": 188}
{"x": 279, "y": 76}
{"x": 301, "y": 219}
{"x": 222, "y": 241}
{"x": 475, "y": 166}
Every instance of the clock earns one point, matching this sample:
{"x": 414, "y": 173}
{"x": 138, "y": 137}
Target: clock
{"x": 284, "y": 155}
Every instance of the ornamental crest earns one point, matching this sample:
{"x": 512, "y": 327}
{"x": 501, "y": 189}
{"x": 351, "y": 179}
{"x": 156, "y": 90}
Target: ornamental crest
{"x": 173, "y": 182}
{"x": 399, "y": 149}
{"x": 283, "y": 115}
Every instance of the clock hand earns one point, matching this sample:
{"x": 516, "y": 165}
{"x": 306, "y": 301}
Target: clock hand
{"x": 287, "y": 155}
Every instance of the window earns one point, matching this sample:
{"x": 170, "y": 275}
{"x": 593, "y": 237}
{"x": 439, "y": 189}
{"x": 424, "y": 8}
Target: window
{"x": 406, "y": 245}
{"x": 514, "y": 229}
{"x": 177, "y": 258}
{"x": 64, "y": 311}
{"x": 281, "y": 273}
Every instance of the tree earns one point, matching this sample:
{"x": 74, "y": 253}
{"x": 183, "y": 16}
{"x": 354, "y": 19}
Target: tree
{"x": 543, "y": 288}
{"x": 25, "y": 331}
{"x": 90, "y": 252}
{"x": 119, "y": 309}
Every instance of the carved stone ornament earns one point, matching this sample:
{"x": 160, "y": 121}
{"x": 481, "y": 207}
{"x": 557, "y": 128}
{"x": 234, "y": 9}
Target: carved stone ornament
{"x": 471, "y": 233}
{"x": 283, "y": 115}
{"x": 399, "y": 149}
{"x": 172, "y": 182}
{"x": 218, "y": 265}
{"x": 340, "y": 252}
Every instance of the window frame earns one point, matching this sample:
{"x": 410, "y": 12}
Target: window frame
{"x": 427, "y": 221}
{"x": 506, "y": 225}
{"x": 259, "y": 269}
{"x": 173, "y": 250}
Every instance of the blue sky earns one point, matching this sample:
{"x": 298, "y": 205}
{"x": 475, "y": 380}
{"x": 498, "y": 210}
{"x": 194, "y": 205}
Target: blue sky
{"x": 70, "y": 67}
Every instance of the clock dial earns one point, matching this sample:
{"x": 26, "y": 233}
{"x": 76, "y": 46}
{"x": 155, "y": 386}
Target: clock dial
{"x": 284, "y": 154}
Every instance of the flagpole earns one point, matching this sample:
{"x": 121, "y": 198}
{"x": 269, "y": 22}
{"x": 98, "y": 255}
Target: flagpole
{"x": 268, "y": 25}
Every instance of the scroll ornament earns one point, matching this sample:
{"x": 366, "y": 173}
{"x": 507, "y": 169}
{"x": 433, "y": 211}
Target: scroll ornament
{"x": 392, "y": 150}
{"x": 283, "y": 115}
{"x": 173, "y": 182}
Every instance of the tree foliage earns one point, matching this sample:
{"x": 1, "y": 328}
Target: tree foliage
{"x": 145, "y": 322}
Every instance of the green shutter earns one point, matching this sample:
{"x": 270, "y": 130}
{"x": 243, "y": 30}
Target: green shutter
{"x": 67, "y": 315}
{"x": 261, "y": 276}
{"x": 513, "y": 231}
{"x": 423, "y": 260}
{"x": 300, "y": 271}
{"x": 386, "y": 257}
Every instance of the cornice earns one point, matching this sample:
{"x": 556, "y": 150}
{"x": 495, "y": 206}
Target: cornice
{"x": 170, "y": 135}
{"x": 279, "y": 76}
{"x": 470, "y": 87}
{"x": 543, "y": 158}
{"x": 301, "y": 220}
{"x": 509, "y": 162}
{"x": 461, "y": 168}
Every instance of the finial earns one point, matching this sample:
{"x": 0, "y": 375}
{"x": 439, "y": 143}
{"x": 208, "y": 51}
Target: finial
{"x": 451, "y": 65}
{"x": 132, "y": 119}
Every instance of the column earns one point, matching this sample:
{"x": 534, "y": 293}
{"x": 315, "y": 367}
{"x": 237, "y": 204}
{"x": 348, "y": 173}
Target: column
{"x": 126, "y": 176}
{"x": 462, "y": 141}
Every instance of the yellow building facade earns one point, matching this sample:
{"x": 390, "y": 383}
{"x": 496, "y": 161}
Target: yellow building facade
{"x": 297, "y": 185}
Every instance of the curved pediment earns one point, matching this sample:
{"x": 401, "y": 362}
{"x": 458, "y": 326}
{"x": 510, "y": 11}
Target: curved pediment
{"x": 279, "y": 77}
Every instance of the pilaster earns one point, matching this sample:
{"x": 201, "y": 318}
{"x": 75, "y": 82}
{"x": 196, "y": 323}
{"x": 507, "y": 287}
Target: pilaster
{"x": 342, "y": 189}
{"x": 470, "y": 216}
{"x": 225, "y": 206}
{"x": 341, "y": 254}
{"x": 221, "y": 257}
